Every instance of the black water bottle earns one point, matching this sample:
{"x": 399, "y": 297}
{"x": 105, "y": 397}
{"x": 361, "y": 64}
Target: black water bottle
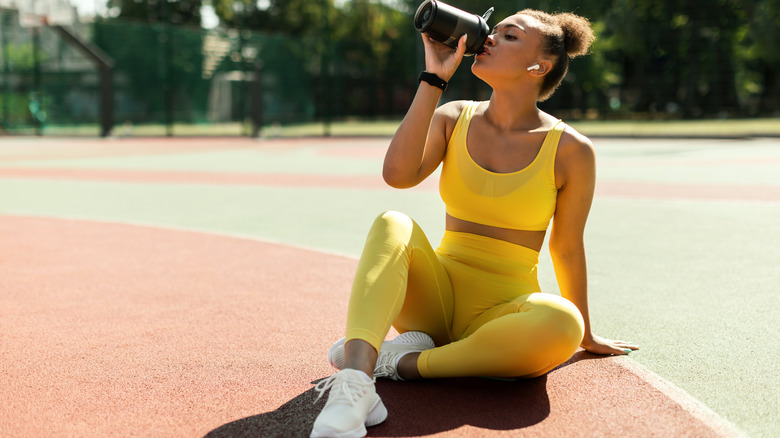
{"x": 446, "y": 24}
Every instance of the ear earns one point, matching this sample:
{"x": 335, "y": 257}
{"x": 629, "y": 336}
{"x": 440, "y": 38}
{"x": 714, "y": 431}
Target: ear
{"x": 545, "y": 65}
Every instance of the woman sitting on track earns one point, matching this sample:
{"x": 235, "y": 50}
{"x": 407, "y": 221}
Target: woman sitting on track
{"x": 473, "y": 307}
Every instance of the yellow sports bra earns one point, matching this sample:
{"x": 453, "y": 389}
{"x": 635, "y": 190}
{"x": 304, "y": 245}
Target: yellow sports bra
{"x": 522, "y": 200}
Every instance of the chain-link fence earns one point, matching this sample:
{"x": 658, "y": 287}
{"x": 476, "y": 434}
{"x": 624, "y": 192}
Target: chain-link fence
{"x": 43, "y": 79}
{"x": 180, "y": 80}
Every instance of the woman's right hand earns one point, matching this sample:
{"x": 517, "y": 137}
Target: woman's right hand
{"x": 418, "y": 145}
{"x": 441, "y": 60}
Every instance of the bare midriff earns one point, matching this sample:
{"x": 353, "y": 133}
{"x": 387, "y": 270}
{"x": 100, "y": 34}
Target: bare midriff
{"x": 526, "y": 238}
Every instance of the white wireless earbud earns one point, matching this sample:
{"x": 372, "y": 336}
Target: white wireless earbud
{"x": 533, "y": 67}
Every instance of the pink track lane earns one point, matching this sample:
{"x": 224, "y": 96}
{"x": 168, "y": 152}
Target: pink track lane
{"x": 119, "y": 330}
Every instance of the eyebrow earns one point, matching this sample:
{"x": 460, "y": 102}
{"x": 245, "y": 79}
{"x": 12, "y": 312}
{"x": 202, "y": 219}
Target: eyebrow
{"x": 510, "y": 25}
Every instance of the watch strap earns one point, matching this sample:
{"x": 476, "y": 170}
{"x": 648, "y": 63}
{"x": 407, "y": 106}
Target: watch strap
{"x": 432, "y": 79}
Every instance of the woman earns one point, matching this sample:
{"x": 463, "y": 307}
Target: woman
{"x": 472, "y": 307}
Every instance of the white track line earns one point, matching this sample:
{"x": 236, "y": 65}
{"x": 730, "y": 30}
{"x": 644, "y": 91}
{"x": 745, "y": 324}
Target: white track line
{"x": 688, "y": 402}
{"x": 184, "y": 229}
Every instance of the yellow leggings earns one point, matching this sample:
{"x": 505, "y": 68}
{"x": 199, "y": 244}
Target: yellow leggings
{"x": 477, "y": 297}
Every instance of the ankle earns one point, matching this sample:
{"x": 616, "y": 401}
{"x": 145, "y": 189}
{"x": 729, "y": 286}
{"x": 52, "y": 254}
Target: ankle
{"x": 360, "y": 355}
{"x": 407, "y": 366}
{"x": 367, "y": 370}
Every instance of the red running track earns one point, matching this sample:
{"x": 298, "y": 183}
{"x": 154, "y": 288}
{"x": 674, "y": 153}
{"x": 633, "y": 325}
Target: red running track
{"x": 118, "y": 330}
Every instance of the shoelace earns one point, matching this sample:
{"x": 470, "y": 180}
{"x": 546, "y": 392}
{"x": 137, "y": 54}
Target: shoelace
{"x": 387, "y": 364}
{"x": 386, "y": 369}
{"x": 347, "y": 389}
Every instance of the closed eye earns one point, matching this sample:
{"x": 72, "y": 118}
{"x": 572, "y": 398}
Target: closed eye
{"x": 507, "y": 35}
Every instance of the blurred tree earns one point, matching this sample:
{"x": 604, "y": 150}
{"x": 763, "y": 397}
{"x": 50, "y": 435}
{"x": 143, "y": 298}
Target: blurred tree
{"x": 22, "y": 56}
{"x": 373, "y": 49}
{"x": 674, "y": 57}
{"x": 657, "y": 57}
{"x": 758, "y": 54}
{"x": 153, "y": 11}
{"x": 160, "y": 66}
{"x": 293, "y": 17}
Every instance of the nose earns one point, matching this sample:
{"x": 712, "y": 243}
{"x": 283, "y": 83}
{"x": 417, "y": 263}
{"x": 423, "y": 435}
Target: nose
{"x": 490, "y": 41}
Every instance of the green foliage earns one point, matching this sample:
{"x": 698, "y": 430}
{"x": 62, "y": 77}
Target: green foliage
{"x": 15, "y": 109}
{"x": 157, "y": 65}
{"x": 22, "y": 56}
{"x": 293, "y": 17}
{"x": 369, "y": 29}
{"x": 661, "y": 58}
{"x": 159, "y": 11}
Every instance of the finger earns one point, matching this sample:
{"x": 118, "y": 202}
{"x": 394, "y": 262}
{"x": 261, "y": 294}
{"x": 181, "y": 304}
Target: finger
{"x": 618, "y": 350}
{"x": 617, "y": 341}
{"x": 461, "y": 50}
{"x": 607, "y": 349}
{"x": 626, "y": 344}
{"x": 425, "y": 39}
{"x": 430, "y": 42}
{"x": 622, "y": 344}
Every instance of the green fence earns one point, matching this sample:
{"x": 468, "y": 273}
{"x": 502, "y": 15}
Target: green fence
{"x": 166, "y": 75}
{"x": 179, "y": 80}
{"x": 42, "y": 79}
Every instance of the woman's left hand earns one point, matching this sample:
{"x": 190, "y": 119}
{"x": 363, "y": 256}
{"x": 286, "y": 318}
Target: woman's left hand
{"x": 598, "y": 345}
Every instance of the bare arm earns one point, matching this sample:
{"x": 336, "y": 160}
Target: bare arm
{"x": 420, "y": 141}
{"x": 576, "y": 176}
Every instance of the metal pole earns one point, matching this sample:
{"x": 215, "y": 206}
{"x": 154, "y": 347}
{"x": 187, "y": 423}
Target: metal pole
{"x": 170, "y": 95}
{"x": 6, "y": 70}
{"x": 106, "y": 101}
{"x": 257, "y": 98}
{"x": 326, "y": 76}
{"x": 242, "y": 82}
{"x": 164, "y": 17}
{"x": 104, "y": 64}
{"x": 37, "y": 94}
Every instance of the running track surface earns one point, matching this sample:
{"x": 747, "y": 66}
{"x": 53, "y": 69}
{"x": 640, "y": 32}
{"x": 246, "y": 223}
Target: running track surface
{"x": 116, "y": 330}
{"x": 112, "y": 329}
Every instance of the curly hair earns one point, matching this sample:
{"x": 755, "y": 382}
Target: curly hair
{"x": 565, "y": 36}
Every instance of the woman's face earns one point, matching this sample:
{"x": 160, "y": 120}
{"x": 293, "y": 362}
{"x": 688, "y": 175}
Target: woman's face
{"x": 512, "y": 47}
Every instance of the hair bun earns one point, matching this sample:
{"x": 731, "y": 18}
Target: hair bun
{"x": 564, "y": 36}
{"x": 578, "y": 36}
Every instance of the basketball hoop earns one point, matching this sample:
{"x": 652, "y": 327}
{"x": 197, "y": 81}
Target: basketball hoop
{"x": 33, "y": 20}
{"x": 38, "y": 13}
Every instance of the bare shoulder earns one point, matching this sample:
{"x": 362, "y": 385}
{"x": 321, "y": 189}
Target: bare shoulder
{"x": 447, "y": 115}
{"x": 450, "y": 111}
{"x": 575, "y": 146}
{"x": 575, "y": 159}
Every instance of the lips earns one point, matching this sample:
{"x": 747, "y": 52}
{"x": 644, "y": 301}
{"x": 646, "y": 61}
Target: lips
{"x": 485, "y": 51}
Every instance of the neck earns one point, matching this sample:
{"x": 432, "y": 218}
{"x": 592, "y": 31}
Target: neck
{"x": 512, "y": 109}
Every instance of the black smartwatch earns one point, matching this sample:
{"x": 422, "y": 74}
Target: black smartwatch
{"x": 432, "y": 79}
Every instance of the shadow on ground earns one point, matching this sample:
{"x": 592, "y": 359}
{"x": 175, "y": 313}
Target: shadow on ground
{"x": 418, "y": 408}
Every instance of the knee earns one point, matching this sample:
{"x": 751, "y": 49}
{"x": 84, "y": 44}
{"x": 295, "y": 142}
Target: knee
{"x": 392, "y": 217}
{"x": 564, "y": 320}
{"x": 557, "y": 325}
{"x": 392, "y": 223}
{"x": 566, "y": 329}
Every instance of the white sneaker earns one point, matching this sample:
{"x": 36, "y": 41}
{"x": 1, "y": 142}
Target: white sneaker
{"x": 352, "y": 405}
{"x": 389, "y": 354}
